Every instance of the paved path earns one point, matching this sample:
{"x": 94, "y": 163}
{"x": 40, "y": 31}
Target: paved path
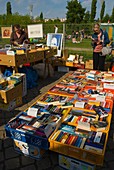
{"x": 10, "y": 160}
{"x": 79, "y": 49}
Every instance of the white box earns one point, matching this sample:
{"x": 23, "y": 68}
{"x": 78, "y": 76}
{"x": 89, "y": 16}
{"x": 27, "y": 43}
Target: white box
{"x": 74, "y": 164}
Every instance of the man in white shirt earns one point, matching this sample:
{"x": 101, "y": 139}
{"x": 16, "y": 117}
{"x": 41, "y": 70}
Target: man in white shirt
{"x": 56, "y": 28}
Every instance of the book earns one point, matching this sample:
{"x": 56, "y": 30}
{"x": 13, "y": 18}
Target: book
{"x": 94, "y": 149}
{"x": 83, "y": 143}
{"x": 79, "y": 142}
{"x": 59, "y": 136}
{"x": 68, "y": 139}
{"x": 99, "y": 125}
{"x": 93, "y": 144}
{"x": 26, "y": 117}
{"x": 71, "y": 137}
{"x": 64, "y": 138}
{"x": 73, "y": 142}
{"x": 100, "y": 111}
{"x": 55, "y": 135}
{"x": 103, "y": 138}
{"x": 98, "y": 137}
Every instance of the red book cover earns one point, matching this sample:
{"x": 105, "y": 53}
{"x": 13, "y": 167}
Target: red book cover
{"x": 78, "y": 119}
{"x": 68, "y": 139}
{"x": 74, "y": 141}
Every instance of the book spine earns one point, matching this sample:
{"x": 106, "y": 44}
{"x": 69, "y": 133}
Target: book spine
{"x": 67, "y": 141}
{"x": 73, "y": 142}
{"x": 98, "y": 137}
{"x": 55, "y": 135}
{"x": 83, "y": 143}
{"x": 77, "y": 141}
{"x": 103, "y": 138}
{"x": 91, "y": 148}
{"x": 59, "y": 136}
{"x": 92, "y": 136}
{"x": 64, "y": 138}
{"x": 72, "y": 138}
{"x": 80, "y": 141}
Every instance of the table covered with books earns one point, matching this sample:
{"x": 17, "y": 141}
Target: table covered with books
{"x": 16, "y": 57}
{"x": 72, "y": 118}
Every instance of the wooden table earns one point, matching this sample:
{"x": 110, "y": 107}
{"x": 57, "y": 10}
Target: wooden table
{"x": 29, "y": 57}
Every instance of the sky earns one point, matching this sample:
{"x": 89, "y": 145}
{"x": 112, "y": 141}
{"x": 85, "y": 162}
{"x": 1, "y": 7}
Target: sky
{"x": 50, "y": 8}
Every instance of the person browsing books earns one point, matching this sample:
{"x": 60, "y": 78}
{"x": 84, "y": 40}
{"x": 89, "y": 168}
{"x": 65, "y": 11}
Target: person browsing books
{"x": 18, "y": 36}
{"x": 99, "y": 40}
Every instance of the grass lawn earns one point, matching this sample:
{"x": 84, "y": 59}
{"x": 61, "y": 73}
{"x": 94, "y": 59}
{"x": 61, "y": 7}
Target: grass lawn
{"x": 83, "y": 48}
{"x": 86, "y": 43}
{"x": 4, "y": 41}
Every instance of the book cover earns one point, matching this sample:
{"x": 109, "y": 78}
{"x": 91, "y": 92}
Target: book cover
{"x": 99, "y": 125}
{"x": 74, "y": 141}
{"x": 64, "y": 138}
{"x": 98, "y": 137}
{"x": 77, "y": 141}
{"x": 80, "y": 141}
{"x": 94, "y": 149}
{"x": 103, "y": 138}
{"x": 83, "y": 143}
{"x": 100, "y": 111}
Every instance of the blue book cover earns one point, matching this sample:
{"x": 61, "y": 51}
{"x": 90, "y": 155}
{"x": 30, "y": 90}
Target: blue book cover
{"x": 77, "y": 141}
{"x": 96, "y": 145}
{"x": 80, "y": 141}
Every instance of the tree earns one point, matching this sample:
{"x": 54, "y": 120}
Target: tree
{"x": 112, "y": 16}
{"x": 41, "y": 16}
{"x": 75, "y": 13}
{"x": 9, "y": 10}
{"x": 93, "y": 10}
{"x": 102, "y": 10}
{"x": 106, "y": 18}
{"x": 87, "y": 17}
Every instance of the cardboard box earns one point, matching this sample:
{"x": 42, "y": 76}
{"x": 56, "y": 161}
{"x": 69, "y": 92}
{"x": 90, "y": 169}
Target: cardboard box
{"x": 71, "y": 164}
{"x": 69, "y": 63}
{"x": 65, "y": 54}
{"x": 89, "y": 64}
{"x": 22, "y": 78}
{"x": 6, "y": 96}
{"x": 12, "y": 104}
{"x": 28, "y": 150}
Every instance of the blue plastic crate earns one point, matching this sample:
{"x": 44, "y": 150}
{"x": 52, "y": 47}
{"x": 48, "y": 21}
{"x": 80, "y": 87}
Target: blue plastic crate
{"x": 32, "y": 139}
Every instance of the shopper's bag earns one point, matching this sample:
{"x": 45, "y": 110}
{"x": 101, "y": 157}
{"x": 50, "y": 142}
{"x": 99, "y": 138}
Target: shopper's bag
{"x": 106, "y": 51}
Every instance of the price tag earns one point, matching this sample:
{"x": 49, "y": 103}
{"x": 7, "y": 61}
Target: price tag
{"x": 108, "y": 86}
{"x": 32, "y": 112}
{"x": 100, "y": 98}
{"x": 80, "y": 104}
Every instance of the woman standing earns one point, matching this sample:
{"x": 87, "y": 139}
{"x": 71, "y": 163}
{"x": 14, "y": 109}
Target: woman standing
{"x": 99, "y": 39}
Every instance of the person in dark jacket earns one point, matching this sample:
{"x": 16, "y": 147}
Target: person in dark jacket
{"x": 99, "y": 40}
{"x": 18, "y": 36}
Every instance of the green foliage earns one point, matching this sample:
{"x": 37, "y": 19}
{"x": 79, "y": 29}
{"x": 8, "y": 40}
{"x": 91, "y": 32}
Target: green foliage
{"x": 86, "y": 17}
{"x": 41, "y": 16}
{"x": 75, "y": 12}
{"x": 112, "y": 16}
{"x": 106, "y": 18}
{"x": 102, "y": 10}
{"x": 93, "y": 10}
{"x": 9, "y": 10}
